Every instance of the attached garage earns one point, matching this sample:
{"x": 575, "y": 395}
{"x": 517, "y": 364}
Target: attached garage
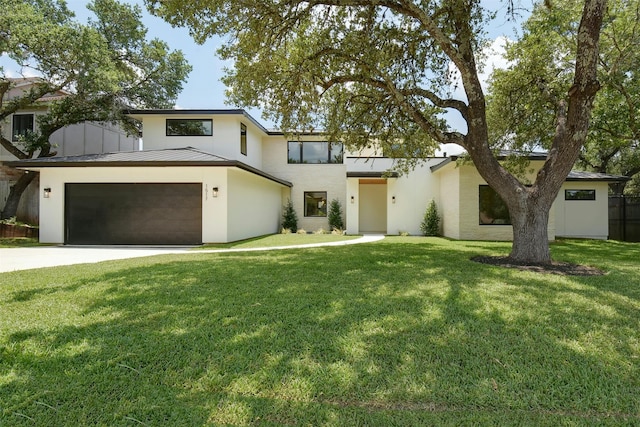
{"x": 133, "y": 214}
{"x": 158, "y": 197}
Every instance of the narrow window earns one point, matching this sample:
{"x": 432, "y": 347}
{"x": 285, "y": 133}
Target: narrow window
{"x": 315, "y": 203}
{"x": 579, "y": 194}
{"x": 189, "y": 127}
{"x": 295, "y": 152}
{"x": 243, "y": 139}
{"x": 492, "y": 209}
{"x": 336, "y": 150}
{"x": 22, "y": 125}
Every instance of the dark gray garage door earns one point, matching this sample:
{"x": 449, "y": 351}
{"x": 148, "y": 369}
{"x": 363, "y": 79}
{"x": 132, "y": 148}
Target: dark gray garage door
{"x": 133, "y": 214}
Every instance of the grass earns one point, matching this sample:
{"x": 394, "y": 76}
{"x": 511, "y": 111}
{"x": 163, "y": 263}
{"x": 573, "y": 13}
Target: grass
{"x": 17, "y": 242}
{"x": 275, "y": 240}
{"x": 406, "y": 331}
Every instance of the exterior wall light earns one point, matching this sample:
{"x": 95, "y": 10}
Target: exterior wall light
{"x": 215, "y": 191}
{"x": 47, "y": 192}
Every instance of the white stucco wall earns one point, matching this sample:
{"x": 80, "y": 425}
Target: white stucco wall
{"x": 224, "y": 142}
{"x": 412, "y": 193}
{"x": 449, "y": 206}
{"x": 583, "y": 218}
{"x": 253, "y": 205}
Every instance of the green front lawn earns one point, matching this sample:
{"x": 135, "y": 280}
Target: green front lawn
{"x": 406, "y": 331}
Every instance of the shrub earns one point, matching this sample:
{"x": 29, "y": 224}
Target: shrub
{"x": 302, "y": 231}
{"x": 285, "y": 231}
{"x": 289, "y": 217}
{"x": 320, "y": 231}
{"x": 335, "y": 215}
{"x": 431, "y": 223}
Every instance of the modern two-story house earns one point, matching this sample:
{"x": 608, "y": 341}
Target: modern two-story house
{"x": 208, "y": 176}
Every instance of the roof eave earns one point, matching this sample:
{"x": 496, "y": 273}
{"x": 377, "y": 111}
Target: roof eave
{"x": 35, "y": 165}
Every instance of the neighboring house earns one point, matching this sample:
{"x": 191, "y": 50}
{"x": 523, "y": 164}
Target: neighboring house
{"x": 79, "y": 139}
{"x": 210, "y": 176}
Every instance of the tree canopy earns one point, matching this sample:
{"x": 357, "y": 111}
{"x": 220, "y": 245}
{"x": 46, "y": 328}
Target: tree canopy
{"x": 103, "y": 66}
{"x": 524, "y": 96}
{"x": 378, "y": 71}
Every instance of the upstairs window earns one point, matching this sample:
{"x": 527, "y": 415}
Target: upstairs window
{"x": 189, "y": 127}
{"x": 579, "y": 194}
{"x": 315, "y": 152}
{"x": 492, "y": 209}
{"x": 243, "y": 139}
{"x": 22, "y": 125}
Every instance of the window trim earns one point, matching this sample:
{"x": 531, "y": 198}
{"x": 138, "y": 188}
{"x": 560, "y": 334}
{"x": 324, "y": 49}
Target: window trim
{"x": 485, "y": 223}
{"x": 14, "y": 136}
{"x": 243, "y": 139}
{"x": 325, "y": 198}
{"x": 591, "y": 197}
{"x": 210, "y": 121}
{"x": 300, "y": 150}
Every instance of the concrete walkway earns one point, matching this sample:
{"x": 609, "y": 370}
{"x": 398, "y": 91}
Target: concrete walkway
{"x": 12, "y": 259}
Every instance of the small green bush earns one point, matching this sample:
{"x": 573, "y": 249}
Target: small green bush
{"x": 431, "y": 223}
{"x": 289, "y": 217}
{"x": 335, "y": 215}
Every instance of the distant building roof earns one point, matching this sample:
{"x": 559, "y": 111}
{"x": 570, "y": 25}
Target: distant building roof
{"x": 181, "y": 157}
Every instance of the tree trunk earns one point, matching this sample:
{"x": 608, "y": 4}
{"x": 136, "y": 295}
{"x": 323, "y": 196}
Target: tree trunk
{"x": 530, "y": 235}
{"x": 11, "y": 206}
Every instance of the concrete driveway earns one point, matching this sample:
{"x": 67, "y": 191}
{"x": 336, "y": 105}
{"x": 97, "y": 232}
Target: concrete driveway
{"x": 12, "y": 259}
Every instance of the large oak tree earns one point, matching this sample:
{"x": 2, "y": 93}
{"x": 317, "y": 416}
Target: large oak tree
{"x": 524, "y": 97}
{"x": 378, "y": 70}
{"x": 104, "y": 66}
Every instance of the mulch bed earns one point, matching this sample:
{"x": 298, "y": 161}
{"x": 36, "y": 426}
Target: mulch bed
{"x": 561, "y": 268}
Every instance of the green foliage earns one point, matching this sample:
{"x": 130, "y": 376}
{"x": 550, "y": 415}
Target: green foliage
{"x": 289, "y": 217}
{"x": 404, "y": 332}
{"x": 102, "y": 67}
{"x": 524, "y": 99}
{"x": 335, "y": 215}
{"x": 430, "y": 225}
{"x": 378, "y": 75}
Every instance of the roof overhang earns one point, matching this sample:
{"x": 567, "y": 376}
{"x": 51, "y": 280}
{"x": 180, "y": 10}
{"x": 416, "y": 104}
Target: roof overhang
{"x": 156, "y": 158}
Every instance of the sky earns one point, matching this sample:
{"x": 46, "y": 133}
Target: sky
{"x": 204, "y": 90}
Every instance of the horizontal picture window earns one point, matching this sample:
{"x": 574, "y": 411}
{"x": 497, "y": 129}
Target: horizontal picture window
{"x": 579, "y": 194}
{"x": 189, "y": 127}
{"x": 317, "y": 152}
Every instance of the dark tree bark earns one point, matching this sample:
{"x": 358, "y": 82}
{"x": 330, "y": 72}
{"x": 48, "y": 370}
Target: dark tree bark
{"x": 15, "y": 194}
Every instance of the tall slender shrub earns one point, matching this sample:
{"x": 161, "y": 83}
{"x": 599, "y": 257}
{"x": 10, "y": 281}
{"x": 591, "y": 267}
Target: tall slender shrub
{"x": 289, "y": 217}
{"x": 335, "y": 215}
{"x": 431, "y": 223}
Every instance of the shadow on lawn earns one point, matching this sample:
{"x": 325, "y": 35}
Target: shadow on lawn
{"x": 384, "y": 334}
